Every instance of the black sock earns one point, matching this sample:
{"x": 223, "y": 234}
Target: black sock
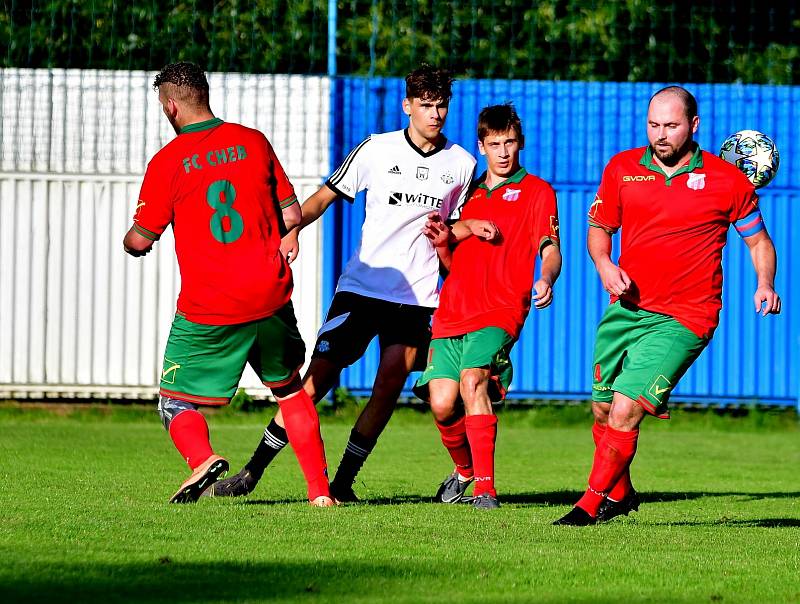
{"x": 271, "y": 443}
{"x": 355, "y": 454}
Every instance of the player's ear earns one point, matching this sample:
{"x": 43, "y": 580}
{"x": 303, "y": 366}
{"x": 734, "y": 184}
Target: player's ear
{"x": 695, "y": 123}
{"x": 480, "y": 148}
{"x": 407, "y": 106}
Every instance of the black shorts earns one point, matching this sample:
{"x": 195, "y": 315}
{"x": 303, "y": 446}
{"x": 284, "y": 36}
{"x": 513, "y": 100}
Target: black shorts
{"x": 353, "y": 320}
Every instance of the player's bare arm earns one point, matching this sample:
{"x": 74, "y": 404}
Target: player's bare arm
{"x": 135, "y": 244}
{"x": 550, "y": 270}
{"x": 440, "y": 235}
{"x": 615, "y": 280}
{"x": 484, "y": 229}
{"x": 765, "y": 261}
{"x": 311, "y": 210}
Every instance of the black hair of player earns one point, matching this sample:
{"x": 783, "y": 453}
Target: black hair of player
{"x": 189, "y": 80}
{"x": 498, "y": 119}
{"x": 429, "y": 83}
{"x": 686, "y": 97}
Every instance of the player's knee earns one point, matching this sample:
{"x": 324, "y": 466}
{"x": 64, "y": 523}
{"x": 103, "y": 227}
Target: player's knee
{"x": 473, "y": 381}
{"x": 170, "y": 408}
{"x": 600, "y": 412}
{"x": 442, "y": 408}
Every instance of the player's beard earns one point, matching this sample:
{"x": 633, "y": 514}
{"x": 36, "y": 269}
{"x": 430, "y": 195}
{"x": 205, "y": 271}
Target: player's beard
{"x": 674, "y": 154}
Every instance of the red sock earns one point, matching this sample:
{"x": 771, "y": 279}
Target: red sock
{"x": 189, "y": 432}
{"x": 302, "y": 428}
{"x": 454, "y": 438}
{"x": 624, "y": 486}
{"x": 611, "y": 457}
{"x": 482, "y": 433}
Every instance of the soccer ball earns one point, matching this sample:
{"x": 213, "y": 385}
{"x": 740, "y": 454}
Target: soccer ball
{"x": 754, "y": 153}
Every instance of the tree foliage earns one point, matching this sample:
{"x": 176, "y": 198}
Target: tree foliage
{"x": 623, "y": 40}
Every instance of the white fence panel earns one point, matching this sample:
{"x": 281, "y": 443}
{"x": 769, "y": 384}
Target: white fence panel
{"x": 78, "y": 316}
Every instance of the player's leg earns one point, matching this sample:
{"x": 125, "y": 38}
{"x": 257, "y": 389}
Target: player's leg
{"x": 485, "y": 375}
{"x": 277, "y": 357}
{"x": 320, "y": 377}
{"x": 394, "y": 368}
{"x": 340, "y": 341}
{"x": 302, "y": 428}
{"x": 438, "y": 385}
{"x": 610, "y": 349}
{"x": 659, "y": 353}
{"x": 202, "y": 366}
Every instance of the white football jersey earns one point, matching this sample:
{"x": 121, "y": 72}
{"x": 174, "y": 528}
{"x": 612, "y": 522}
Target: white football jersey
{"x": 394, "y": 261}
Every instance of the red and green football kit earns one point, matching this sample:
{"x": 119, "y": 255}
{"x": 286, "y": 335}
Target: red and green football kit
{"x": 673, "y": 230}
{"x": 489, "y": 284}
{"x": 222, "y": 188}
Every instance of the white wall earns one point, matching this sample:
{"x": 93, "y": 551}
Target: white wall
{"x": 77, "y": 315}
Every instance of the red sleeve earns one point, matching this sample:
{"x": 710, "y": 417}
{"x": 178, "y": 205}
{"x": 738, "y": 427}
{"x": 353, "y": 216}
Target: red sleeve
{"x": 744, "y": 198}
{"x": 606, "y": 210}
{"x": 154, "y": 210}
{"x": 545, "y": 219}
{"x": 284, "y": 191}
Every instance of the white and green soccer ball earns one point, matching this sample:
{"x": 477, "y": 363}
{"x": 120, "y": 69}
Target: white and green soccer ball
{"x": 754, "y": 153}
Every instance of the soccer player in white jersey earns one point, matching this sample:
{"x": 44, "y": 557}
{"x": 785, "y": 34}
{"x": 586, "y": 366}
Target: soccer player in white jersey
{"x": 389, "y": 288}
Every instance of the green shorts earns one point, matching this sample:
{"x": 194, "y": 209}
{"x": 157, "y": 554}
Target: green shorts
{"x": 204, "y": 363}
{"x": 642, "y": 355}
{"x": 488, "y": 347}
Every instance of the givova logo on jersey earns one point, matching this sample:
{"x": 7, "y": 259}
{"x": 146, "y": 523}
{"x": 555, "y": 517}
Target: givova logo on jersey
{"x": 414, "y": 199}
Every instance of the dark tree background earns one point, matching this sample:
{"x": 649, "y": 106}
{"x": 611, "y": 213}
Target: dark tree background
{"x": 746, "y": 41}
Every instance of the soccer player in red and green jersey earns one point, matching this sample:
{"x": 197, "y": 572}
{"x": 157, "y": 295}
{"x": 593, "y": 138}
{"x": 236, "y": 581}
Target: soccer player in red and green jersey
{"x": 484, "y": 302}
{"x": 673, "y": 204}
{"x": 228, "y": 199}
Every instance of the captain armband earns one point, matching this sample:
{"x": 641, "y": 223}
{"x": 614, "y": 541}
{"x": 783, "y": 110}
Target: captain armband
{"x": 750, "y": 224}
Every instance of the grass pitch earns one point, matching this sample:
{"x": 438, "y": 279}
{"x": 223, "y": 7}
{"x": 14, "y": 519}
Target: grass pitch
{"x": 85, "y": 518}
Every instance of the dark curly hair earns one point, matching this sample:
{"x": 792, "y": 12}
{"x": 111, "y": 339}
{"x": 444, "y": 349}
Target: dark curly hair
{"x": 429, "y": 83}
{"x": 187, "y": 81}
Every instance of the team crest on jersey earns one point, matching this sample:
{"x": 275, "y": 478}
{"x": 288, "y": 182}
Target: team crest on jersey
{"x": 512, "y": 194}
{"x": 595, "y": 206}
{"x": 696, "y": 181}
{"x": 422, "y": 173}
{"x": 553, "y": 227}
{"x": 138, "y": 210}
{"x": 447, "y": 178}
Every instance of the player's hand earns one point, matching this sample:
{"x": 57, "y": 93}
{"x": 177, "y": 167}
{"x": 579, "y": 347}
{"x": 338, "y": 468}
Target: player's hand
{"x": 544, "y": 294}
{"x": 290, "y": 246}
{"x": 615, "y": 280}
{"x": 767, "y": 301}
{"x": 436, "y": 230}
{"x": 484, "y": 229}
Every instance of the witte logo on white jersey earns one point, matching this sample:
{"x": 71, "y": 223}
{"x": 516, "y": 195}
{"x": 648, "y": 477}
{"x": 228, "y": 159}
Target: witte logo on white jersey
{"x": 696, "y": 181}
{"x": 512, "y": 194}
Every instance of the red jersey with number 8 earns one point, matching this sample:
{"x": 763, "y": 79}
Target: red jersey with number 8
{"x": 222, "y": 188}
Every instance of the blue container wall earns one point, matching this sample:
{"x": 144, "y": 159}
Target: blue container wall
{"x": 572, "y": 129}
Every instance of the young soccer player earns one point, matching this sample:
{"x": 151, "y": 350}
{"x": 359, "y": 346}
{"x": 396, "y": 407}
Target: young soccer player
{"x": 227, "y": 197}
{"x": 674, "y": 204}
{"x": 485, "y": 301}
{"x": 389, "y": 287}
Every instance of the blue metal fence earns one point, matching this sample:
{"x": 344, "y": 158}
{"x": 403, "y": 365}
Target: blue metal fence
{"x": 572, "y": 129}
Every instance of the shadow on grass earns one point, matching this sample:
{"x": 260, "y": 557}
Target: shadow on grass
{"x": 547, "y": 498}
{"x": 752, "y": 523}
{"x": 166, "y": 580}
{"x": 570, "y": 497}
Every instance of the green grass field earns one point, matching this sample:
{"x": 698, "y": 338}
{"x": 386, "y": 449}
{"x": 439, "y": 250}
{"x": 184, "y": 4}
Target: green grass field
{"x": 85, "y": 518}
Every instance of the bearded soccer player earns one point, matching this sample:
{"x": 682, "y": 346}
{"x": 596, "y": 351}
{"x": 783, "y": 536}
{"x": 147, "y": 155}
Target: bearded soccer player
{"x": 228, "y": 199}
{"x": 484, "y": 303}
{"x": 389, "y": 287}
{"x": 674, "y": 204}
